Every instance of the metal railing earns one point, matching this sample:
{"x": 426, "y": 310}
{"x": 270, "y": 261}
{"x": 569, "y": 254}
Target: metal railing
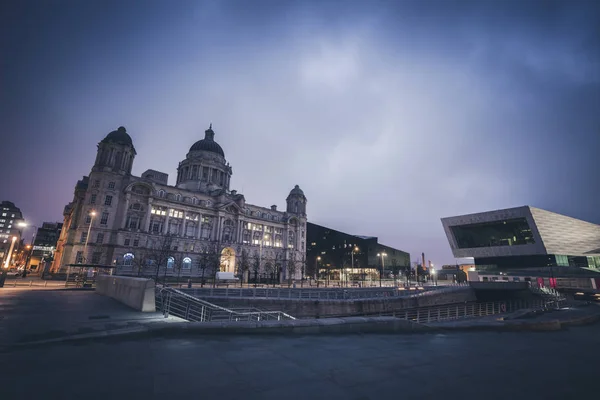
{"x": 470, "y": 310}
{"x": 322, "y": 294}
{"x": 174, "y": 302}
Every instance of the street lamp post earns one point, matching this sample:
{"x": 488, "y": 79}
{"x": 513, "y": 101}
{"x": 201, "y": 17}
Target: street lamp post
{"x": 24, "y": 224}
{"x": 355, "y": 248}
{"x": 382, "y": 255}
{"x": 87, "y": 237}
{"x": 317, "y": 268}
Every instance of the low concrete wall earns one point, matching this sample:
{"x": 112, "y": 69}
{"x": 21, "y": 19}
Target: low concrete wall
{"x": 137, "y": 293}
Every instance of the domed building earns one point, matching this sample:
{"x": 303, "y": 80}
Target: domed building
{"x": 199, "y": 227}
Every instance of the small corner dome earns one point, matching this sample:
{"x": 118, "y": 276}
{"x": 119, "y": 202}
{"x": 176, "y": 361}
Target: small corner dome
{"x": 208, "y": 143}
{"x": 120, "y": 136}
{"x": 296, "y": 191}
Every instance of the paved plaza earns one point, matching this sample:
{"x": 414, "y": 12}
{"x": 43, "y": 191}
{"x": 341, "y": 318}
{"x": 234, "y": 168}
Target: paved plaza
{"x": 551, "y": 365}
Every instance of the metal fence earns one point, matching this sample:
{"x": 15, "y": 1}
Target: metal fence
{"x": 470, "y": 310}
{"x": 174, "y": 302}
{"x": 322, "y": 294}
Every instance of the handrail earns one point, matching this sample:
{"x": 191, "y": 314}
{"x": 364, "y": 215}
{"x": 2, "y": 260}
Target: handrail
{"x": 166, "y": 295}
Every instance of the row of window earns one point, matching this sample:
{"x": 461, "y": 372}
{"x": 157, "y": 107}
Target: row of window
{"x": 103, "y": 218}
{"x": 108, "y": 199}
{"x": 96, "y": 184}
{"x": 129, "y": 258}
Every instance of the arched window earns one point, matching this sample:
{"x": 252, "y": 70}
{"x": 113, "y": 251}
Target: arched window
{"x": 190, "y": 229}
{"x": 128, "y": 259}
{"x": 205, "y": 234}
{"x": 170, "y": 262}
{"x": 161, "y": 193}
{"x": 291, "y": 239}
{"x": 226, "y": 234}
{"x": 178, "y": 197}
{"x": 194, "y": 200}
{"x": 187, "y": 263}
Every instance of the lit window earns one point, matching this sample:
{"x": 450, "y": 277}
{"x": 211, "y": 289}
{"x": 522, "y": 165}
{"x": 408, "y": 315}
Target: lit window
{"x": 170, "y": 262}
{"x": 175, "y": 213}
{"x": 111, "y": 185}
{"x": 187, "y": 263}
{"x": 128, "y": 259}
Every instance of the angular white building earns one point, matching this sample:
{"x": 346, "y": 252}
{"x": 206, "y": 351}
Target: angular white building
{"x": 143, "y": 225}
{"x": 523, "y": 237}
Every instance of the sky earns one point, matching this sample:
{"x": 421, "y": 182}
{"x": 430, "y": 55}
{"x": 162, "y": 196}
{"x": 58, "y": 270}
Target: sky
{"x": 389, "y": 114}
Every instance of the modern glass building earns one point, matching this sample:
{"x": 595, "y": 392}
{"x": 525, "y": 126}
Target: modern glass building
{"x": 522, "y": 238}
{"x": 344, "y": 255}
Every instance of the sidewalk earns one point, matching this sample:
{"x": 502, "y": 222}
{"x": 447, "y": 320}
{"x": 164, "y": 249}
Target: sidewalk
{"x": 32, "y": 283}
{"x": 36, "y": 315}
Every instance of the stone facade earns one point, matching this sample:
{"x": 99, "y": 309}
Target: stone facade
{"x": 142, "y": 225}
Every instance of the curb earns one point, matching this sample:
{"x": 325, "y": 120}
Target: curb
{"x": 349, "y": 325}
{"x": 295, "y": 327}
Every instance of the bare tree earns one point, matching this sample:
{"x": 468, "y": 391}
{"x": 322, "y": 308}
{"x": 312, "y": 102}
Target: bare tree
{"x": 205, "y": 262}
{"x": 243, "y": 265}
{"x": 303, "y": 269}
{"x": 256, "y": 261}
{"x": 160, "y": 252}
{"x": 292, "y": 267}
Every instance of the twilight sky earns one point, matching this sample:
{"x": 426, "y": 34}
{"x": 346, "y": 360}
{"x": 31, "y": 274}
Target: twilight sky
{"x": 388, "y": 114}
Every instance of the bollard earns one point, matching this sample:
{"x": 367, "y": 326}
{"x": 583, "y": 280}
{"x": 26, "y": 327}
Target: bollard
{"x": 45, "y": 283}
{"x": 30, "y": 283}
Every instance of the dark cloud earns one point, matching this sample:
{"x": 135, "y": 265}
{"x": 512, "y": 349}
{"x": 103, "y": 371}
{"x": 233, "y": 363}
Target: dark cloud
{"x": 389, "y": 114}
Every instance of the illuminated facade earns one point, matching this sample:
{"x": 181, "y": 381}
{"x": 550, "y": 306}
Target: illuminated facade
{"x": 10, "y": 216}
{"x": 332, "y": 252}
{"x": 197, "y": 227}
{"x": 524, "y": 237}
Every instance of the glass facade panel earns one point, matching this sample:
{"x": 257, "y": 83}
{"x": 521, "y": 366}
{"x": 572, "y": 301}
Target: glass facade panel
{"x": 510, "y": 232}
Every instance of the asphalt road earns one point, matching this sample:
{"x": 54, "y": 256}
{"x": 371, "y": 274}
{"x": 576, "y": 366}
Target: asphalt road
{"x": 551, "y": 365}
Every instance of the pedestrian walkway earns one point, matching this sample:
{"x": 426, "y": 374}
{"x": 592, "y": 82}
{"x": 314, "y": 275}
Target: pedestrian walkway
{"x": 34, "y": 315}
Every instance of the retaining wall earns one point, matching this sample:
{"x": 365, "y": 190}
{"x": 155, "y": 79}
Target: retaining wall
{"x": 137, "y": 293}
{"x": 305, "y": 308}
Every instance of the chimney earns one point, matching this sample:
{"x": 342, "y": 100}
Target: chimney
{"x": 274, "y": 207}
{"x": 234, "y": 192}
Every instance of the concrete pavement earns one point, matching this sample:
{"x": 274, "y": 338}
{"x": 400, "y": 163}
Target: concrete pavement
{"x": 33, "y": 315}
{"x": 470, "y": 365}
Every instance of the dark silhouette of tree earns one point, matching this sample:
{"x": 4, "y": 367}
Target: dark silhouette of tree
{"x": 256, "y": 261}
{"x": 292, "y": 267}
{"x": 243, "y": 265}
